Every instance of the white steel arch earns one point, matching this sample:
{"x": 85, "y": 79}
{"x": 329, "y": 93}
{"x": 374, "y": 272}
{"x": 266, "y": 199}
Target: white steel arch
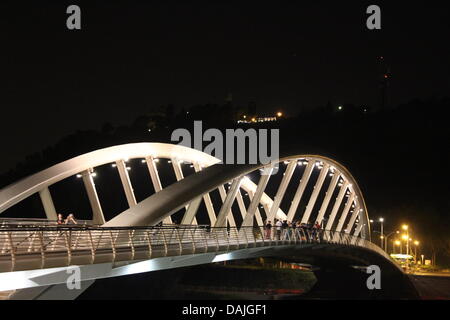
{"x": 85, "y": 164}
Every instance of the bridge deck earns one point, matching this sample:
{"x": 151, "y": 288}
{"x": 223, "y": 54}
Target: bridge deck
{"x": 25, "y": 247}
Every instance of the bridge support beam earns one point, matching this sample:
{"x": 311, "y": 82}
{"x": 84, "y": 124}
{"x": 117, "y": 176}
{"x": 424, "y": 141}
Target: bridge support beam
{"x": 47, "y": 203}
{"x": 191, "y": 211}
{"x": 179, "y": 175}
{"x": 228, "y": 202}
{"x": 229, "y": 215}
{"x": 300, "y": 189}
{"x": 328, "y": 196}
{"x": 126, "y": 183}
{"x": 150, "y": 160}
{"x": 345, "y": 212}
{"x": 336, "y": 206}
{"x": 351, "y": 223}
{"x": 359, "y": 228}
{"x": 282, "y": 189}
{"x": 97, "y": 212}
{"x": 207, "y": 199}
{"x": 313, "y": 198}
{"x": 258, "y": 216}
{"x": 263, "y": 180}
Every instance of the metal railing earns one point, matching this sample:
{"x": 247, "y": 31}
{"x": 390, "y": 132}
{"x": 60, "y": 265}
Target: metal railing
{"x": 31, "y": 222}
{"x": 34, "y": 247}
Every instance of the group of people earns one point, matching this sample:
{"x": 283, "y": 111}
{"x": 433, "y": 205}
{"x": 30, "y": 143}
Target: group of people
{"x": 69, "y": 220}
{"x": 286, "y": 230}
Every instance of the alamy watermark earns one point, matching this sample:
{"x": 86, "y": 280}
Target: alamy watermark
{"x": 231, "y": 147}
{"x": 374, "y": 281}
{"x": 74, "y": 279}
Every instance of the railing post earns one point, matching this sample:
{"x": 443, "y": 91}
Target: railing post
{"x": 263, "y": 235}
{"x": 246, "y": 238}
{"x": 205, "y": 238}
{"x": 41, "y": 245}
{"x": 194, "y": 247}
{"x": 217, "y": 239}
{"x": 12, "y": 251}
{"x": 130, "y": 238}
{"x": 179, "y": 239}
{"x": 92, "y": 246}
{"x": 69, "y": 249}
{"x": 227, "y": 236}
{"x": 166, "y": 248}
{"x": 113, "y": 245}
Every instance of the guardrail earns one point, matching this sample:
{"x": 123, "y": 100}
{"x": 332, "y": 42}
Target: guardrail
{"x": 30, "y": 222}
{"x": 25, "y": 247}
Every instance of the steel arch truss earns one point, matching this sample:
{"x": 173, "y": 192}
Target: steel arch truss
{"x": 322, "y": 189}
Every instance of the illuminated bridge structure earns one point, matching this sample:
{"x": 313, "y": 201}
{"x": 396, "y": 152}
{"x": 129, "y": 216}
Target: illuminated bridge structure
{"x": 37, "y": 257}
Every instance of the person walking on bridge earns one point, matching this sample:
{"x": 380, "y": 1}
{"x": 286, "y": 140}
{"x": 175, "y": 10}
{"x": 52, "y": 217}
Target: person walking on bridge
{"x": 268, "y": 228}
{"x": 278, "y": 225}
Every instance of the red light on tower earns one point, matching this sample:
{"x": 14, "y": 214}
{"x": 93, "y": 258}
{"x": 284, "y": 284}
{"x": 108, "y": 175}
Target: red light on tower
{"x": 386, "y": 76}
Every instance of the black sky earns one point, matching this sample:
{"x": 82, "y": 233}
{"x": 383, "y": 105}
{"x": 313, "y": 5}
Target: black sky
{"x": 134, "y": 55}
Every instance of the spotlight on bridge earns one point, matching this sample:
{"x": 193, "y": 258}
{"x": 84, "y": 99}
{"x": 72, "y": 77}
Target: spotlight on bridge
{"x": 79, "y": 176}
{"x": 143, "y": 161}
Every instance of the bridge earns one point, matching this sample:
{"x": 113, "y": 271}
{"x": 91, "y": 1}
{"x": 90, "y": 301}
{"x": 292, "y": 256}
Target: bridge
{"x": 38, "y": 256}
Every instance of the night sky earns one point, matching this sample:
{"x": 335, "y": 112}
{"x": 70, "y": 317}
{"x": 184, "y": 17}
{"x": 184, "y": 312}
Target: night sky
{"x": 131, "y": 56}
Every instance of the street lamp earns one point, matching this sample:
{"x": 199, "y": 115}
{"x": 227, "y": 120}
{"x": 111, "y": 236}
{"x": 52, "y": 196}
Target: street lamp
{"x": 416, "y": 244}
{"x": 386, "y": 239}
{"x": 382, "y": 235}
{"x": 381, "y": 220}
{"x": 399, "y": 243}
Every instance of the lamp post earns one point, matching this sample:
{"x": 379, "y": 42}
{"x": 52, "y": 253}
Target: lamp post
{"x": 381, "y": 220}
{"x": 382, "y": 235}
{"x": 386, "y": 239}
{"x": 399, "y": 243}
{"x": 416, "y": 243}
{"x": 406, "y": 237}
